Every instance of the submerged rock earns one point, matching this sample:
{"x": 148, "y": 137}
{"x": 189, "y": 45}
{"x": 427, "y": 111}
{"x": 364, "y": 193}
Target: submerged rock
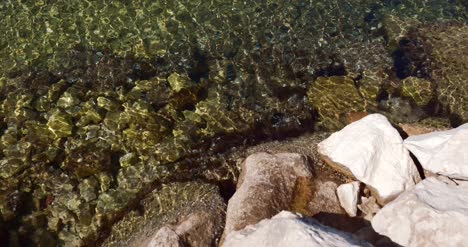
{"x": 269, "y": 183}
{"x": 442, "y": 152}
{"x": 289, "y": 229}
{"x": 432, "y": 214}
{"x": 421, "y": 91}
{"x": 334, "y": 97}
{"x": 196, "y": 229}
{"x": 372, "y": 151}
{"x": 178, "y": 214}
{"x": 435, "y": 51}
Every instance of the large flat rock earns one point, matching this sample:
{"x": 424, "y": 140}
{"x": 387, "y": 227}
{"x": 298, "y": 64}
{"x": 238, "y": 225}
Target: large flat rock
{"x": 442, "y": 152}
{"x": 372, "y": 151}
{"x": 432, "y": 214}
{"x": 288, "y": 229}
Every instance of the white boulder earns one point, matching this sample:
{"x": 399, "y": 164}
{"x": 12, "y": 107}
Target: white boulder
{"x": 348, "y": 196}
{"x": 442, "y": 152}
{"x": 432, "y": 214}
{"x": 372, "y": 151}
{"x": 289, "y": 229}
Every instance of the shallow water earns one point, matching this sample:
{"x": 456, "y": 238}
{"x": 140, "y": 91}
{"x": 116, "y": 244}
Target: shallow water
{"x": 103, "y": 101}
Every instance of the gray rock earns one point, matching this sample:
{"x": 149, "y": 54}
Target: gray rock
{"x": 268, "y": 184}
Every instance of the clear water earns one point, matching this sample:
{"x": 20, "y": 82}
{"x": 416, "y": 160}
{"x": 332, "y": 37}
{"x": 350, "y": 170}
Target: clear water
{"x": 102, "y": 101}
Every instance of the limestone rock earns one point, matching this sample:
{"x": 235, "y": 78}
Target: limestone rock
{"x": 372, "y": 151}
{"x": 267, "y": 185}
{"x": 288, "y": 229}
{"x": 442, "y": 152}
{"x": 432, "y": 214}
{"x": 348, "y": 196}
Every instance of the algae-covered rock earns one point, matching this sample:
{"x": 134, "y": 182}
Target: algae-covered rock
{"x": 420, "y": 90}
{"x": 334, "y": 97}
{"x": 179, "y": 82}
{"x": 438, "y": 53}
{"x": 397, "y": 28}
{"x": 400, "y": 110}
{"x": 60, "y": 124}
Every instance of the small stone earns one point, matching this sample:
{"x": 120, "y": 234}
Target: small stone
{"x": 60, "y": 124}
{"x": 88, "y": 188}
{"x": 325, "y": 199}
{"x": 348, "y": 196}
{"x": 179, "y": 82}
{"x": 432, "y": 214}
{"x": 128, "y": 160}
{"x": 105, "y": 181}
{"x": 418, "y": 89}
{"x": 289, "y": 229}
{"x": 67, "y": 100}
{"x": 107, "y": 103}
{"x": 372, "y": 151}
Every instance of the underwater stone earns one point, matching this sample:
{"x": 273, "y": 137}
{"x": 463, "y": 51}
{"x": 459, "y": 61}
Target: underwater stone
{"x": 169, "y": 205}
{"x": 396, "y": 29}
{"x": 107, "y": 103}
{"x": 88, "y": 189}
{"x": 67, "y": 100}
{"x": 179, "y": 82}
{"x": 400, "y": 110}
{"x": 60, "y": 124}
{"x": 333, "y": 97}
{"x": 442, "y": 61}
{"x": 418, "y": 89}
{"x": 105, "y": 181}
{"x": 42, "y": 104}
{"x": 128, "y": 160}
{"x": 83, "y": 162}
